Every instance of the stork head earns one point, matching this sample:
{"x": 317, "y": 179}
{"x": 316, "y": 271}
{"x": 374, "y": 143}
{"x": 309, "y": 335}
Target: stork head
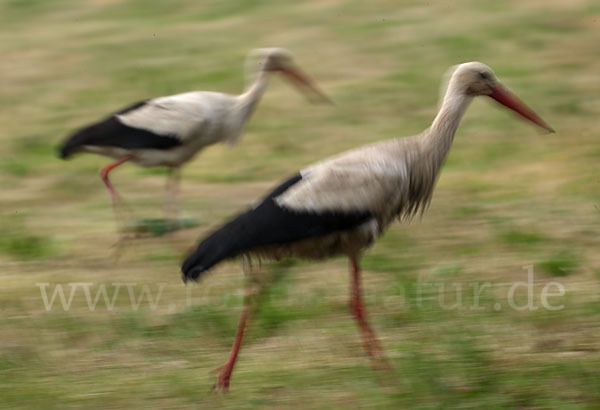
{"x": 476, "y": 79}
{"x": 280, "y": 60}
{"x": 275, "y": 59}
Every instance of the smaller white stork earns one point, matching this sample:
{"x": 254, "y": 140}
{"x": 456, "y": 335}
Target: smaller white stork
{"x": 342, "y": 204}
{"x": 169, "y": 131}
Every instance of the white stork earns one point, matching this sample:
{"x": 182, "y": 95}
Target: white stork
{"x": 342, "y": 204}
{"x": 169, "y": 131}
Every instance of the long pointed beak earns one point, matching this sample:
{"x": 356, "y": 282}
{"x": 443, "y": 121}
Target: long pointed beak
{"x": 305, "y": 84}
{"x": 505, "y": 97}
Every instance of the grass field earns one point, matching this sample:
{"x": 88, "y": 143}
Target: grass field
{"x": 508, "y": 197}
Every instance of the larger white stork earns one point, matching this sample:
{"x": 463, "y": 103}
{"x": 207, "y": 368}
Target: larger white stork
{"x": 342, "y": 204}
{"x": 169, "y": 131}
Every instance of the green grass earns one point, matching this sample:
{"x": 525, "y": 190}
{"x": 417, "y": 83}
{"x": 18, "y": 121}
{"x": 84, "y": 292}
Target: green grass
{"x": 521, "y": 237}
{"x": 508, "y": 197}
{"x": 561, "y": 264}
{"x": 20, "y": 243}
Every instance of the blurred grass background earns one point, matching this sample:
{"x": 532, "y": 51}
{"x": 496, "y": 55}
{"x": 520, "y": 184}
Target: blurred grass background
{"x": 507, "y": 197}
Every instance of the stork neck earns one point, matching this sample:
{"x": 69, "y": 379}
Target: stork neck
{"x": 441, "y": 133}
{"x": 244, "y": 106}
{"x": 257, "y": 84}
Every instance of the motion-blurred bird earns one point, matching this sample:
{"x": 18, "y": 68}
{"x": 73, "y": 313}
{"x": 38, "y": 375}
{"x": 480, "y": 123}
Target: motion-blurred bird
{"x": 169, "y": 131}
{"x": 342, "y": 204}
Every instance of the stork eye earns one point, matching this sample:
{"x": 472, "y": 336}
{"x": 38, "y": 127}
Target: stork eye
{"x": 484, "y": 75}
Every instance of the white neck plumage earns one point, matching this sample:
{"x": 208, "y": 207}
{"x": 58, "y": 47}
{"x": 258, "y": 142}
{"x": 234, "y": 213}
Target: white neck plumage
{"x": 440, "y": 135}
{"x": 257, "y": 82}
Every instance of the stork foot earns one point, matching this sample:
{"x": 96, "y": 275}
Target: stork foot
{"x": 378, "y": 360}
{"x": 120, "y": 246}
{"x": 380, "y": 363}
{"x": 222, "y": 384}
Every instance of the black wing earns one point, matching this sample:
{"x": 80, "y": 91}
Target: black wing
{"x": 111, "y": 132}
{"x": 266, "y": 224}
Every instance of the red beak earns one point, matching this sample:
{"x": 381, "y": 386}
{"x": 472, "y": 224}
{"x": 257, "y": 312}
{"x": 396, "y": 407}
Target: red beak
{"x": 303, "y": 83}
{"x": 505, "y": 97}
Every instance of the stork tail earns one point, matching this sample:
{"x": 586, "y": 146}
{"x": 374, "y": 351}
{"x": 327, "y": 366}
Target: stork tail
{"x": 224, "y": 243}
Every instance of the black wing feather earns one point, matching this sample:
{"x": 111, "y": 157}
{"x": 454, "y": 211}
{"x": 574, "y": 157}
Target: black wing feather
{"x": 111, "y": 132}
{"x": 266, "y": 224}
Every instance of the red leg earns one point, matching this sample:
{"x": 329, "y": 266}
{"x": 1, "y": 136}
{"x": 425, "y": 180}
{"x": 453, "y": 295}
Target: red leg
{"x": 226, "y": 370}
{"x": 370, "y": 341}
{"x": 119, "y": 206}
{"x": 171, "y": 206}
{"x": 104, "y": 174}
